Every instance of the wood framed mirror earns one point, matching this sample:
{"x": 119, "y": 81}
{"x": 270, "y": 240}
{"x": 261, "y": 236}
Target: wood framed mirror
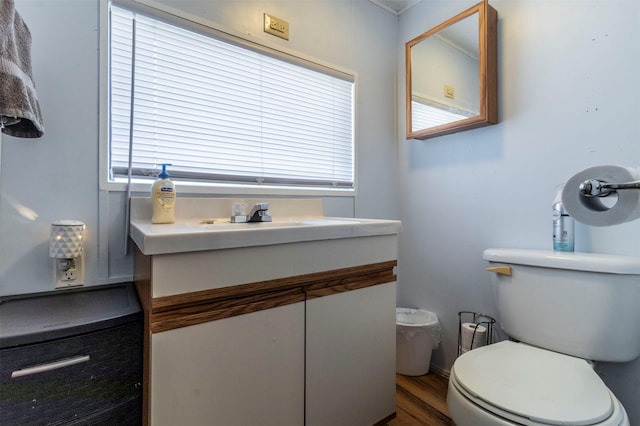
{"x": 451, "y": 75}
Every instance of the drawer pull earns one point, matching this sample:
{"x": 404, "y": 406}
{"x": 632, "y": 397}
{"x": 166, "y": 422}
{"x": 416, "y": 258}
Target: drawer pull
{"x": 49, "y": 366}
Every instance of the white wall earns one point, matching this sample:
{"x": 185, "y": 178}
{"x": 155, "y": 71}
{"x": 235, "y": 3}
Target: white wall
{"x": 569, "y": 98}
{"x": 56, "y": 177}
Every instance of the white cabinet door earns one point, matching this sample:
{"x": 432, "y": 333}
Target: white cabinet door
{"x": 350, "y": 354}
{"x": 242, "y": 370}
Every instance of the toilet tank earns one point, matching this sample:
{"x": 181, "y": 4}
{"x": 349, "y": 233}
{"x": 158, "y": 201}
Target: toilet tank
{"x": 581, "y": 304}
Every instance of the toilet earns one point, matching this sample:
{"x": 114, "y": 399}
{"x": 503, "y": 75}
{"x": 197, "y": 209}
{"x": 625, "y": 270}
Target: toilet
{"x": 562, "y": 311}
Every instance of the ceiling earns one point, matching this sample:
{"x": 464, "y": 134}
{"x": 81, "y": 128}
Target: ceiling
{"x": 395, "y": 6}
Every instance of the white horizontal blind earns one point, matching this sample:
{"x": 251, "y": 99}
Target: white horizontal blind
{"x": 221, "y": 112}
{"x": 424, "y": 116}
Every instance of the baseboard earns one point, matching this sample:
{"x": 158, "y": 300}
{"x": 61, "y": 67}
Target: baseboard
{"x": 440, "y": 372}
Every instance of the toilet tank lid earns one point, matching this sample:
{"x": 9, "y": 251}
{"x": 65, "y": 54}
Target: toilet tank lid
{"x": 590, "y": 262}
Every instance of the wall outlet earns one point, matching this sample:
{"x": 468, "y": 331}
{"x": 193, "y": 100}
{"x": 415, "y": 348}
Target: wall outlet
{"x": 69, "y": 275}
{"x": 68, "y": 272}
{"x": 276, "y": 26}
{"x": 449, "y": 92}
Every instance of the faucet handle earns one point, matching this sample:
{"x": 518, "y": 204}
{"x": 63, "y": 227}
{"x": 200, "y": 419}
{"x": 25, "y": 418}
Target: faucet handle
{"x": 261, "y": 206}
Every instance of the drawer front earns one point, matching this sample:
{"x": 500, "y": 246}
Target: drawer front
{"x": 67, "y": 380}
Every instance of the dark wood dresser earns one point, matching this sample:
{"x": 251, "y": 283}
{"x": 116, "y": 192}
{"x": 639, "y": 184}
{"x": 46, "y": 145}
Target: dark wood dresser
{"x": 71, "y": 357}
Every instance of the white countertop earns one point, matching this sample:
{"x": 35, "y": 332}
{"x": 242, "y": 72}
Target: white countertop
{"x": 204, "y": 224}
{"x": 196, "y": 236}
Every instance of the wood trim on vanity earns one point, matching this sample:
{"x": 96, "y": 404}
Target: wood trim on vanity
{"x": 366, "y": 276}
{"x": 142, "y": 279}
{"x": 314, "y": 280}
{"x": 182, "y": 310}
{"x": 200, "y": 313}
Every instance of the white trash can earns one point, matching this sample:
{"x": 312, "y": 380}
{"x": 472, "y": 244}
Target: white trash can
{"x": 417, "y": 334}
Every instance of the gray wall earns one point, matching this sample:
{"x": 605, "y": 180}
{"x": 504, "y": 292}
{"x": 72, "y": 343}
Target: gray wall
{"x": 56, "y": 177}
{"x": 569, "y": 98}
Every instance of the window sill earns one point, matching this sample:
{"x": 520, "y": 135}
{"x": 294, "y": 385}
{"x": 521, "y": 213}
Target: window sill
{"x": 195, "y": 188}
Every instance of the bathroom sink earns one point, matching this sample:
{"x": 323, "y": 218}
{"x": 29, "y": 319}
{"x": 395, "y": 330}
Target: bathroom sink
{"x": 216, "y": 234}
{"x": 226, "y": 225}
{"x": 330, "y": 221}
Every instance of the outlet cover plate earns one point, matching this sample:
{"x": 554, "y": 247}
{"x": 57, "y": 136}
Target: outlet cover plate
{"x": 276, "y": 26}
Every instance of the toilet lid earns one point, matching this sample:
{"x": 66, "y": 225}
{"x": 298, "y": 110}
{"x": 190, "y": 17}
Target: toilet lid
{"x": 544, "y": 386}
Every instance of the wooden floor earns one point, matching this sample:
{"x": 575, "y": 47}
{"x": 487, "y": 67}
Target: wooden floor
{"x": 421, "y": 400}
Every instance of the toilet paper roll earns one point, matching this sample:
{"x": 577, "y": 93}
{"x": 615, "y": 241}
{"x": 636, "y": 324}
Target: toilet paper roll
{"x": 597, "y": 211}
{"x": 471, "y": 341}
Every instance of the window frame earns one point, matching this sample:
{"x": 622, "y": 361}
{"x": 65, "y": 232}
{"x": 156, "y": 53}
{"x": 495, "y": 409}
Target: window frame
{"x": 168, "y": 13}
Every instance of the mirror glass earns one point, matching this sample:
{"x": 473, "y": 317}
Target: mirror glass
{"x": 451, "y": 75}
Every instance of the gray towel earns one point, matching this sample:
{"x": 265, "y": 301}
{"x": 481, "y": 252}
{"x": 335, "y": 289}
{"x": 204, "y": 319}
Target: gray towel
{"x": 20, "y": 114}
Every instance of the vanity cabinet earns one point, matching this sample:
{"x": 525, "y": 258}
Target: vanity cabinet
{"x": 283, "y": 334}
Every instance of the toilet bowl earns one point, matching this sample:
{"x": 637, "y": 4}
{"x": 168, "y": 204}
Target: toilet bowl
{"x": 512, "y": 383}
{"x": 550, "y": 304}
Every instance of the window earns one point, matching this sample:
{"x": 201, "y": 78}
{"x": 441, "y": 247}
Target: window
{"x": 222, "y": 110}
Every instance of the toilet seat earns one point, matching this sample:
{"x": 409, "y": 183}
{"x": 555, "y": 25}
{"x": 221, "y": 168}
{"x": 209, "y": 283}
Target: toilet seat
{"x": 530, "y": 385}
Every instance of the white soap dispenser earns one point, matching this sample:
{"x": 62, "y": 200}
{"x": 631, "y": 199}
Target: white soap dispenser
{"x": 163, "y": 198}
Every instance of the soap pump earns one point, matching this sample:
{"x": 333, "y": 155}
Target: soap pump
{"x": 563, "y": 225}
{"x": 163, "y": 198}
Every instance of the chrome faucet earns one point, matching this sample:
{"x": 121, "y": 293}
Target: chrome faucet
{"x": 259, "y": 213}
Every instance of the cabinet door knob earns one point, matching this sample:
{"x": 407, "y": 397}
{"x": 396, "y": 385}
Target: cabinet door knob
{"x": 502, "y": 270}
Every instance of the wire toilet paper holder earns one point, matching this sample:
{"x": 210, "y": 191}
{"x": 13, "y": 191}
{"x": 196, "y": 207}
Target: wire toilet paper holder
{"x": 479, "y": 320}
